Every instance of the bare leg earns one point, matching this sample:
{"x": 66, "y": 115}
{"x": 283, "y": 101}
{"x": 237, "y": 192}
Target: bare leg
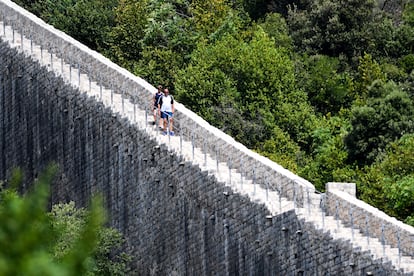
{"x": 165, "y": 124}
{"x": 161, "y": 122}
{"x": 171, "y": 124}
{"x": 154, "y": 113}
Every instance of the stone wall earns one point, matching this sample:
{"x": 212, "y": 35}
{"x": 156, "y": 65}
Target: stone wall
{"x": 121, "y": 81}
{"x": 369, "y": 220}
{"x": 177, "y": 219}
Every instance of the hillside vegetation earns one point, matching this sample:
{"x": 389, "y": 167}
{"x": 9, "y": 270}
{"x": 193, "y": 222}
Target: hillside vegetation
{"x": 323, "y": 87}
{"x": 64, "y": 241}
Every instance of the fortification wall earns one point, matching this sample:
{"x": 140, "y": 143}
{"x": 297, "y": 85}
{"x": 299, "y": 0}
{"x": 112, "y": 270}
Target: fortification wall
{"x": 110, "y": 75}
{"x": 176, "y": 217}
{"x": 370, "y": 221}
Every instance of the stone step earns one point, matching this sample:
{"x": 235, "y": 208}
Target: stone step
{"x": 372, "y": 245}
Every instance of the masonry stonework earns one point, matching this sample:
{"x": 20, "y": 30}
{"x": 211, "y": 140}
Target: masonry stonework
{"x": 177, "y": 219}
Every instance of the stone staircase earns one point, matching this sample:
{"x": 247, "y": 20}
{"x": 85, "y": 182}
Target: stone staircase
{"x": 358, "y": 239}
{"x": 182, "y": 145}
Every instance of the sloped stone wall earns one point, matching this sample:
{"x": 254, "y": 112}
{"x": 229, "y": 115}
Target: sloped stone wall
{"x": 177, "y": 219}
{"x": 112, "y": 76}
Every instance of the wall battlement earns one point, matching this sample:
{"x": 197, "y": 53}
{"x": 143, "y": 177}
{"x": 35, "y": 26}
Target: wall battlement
{"x": 177, "y": 216}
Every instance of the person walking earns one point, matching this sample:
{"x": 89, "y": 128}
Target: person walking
{"x": 156, "y": 111}
{"x": 166, "y": 108}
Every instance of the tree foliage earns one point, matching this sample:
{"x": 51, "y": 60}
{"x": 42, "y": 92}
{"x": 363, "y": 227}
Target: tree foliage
{"x": 275, "y": 26}
{"x": 88, "y": 21}
{"x": 69, "y": 222}
{"x": 369, "y": 71}
{"x": 167, "y": 26}
{"x": 125, "y": 46}
{"x": 66, "y": 241}
{"x": 404, "y": 39}
{"x": 329, "y": 90}
{"x": 152, "y": 38}
{"x": 25, "y": 250}
{"x": 332, "y": 27}
{"x": 281, "y": 149}
{"x": 388, "y": 183}
{"x": 251, "y": 77}
{"x": 328, "y": 154}
{"x": 208, "y": 16}
{"x": 381, "y": 121}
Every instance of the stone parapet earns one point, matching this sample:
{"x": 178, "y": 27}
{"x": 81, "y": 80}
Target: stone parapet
{"x": 367, "y": 219}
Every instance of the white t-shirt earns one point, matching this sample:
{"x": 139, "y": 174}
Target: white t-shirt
{"x": 166, "y": 103}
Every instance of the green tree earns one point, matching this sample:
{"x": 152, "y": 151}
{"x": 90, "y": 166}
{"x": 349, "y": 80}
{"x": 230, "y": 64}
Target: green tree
{"x": 209, "y": 15}
{"x": 255, "y": 9}
{"x": 68, "y": 222}
{"x": 332, "y": 27}
{"x": 258, "y": 9}
{"x": 33, "y": 242}
{"x": 404, "y": 37}
{"x": 27, "y": 4}
{"x": 407, "y": 63}
{"x": 388, "y": 184}
{"x": 275, "y": 26}
{"x": 168, "y": 26}
{"x": 380, "y": 35}
{"x": 369, "y": 71}
{"x": 159, "y": 66}
{"x": 328, "y": 154}
{"x": 328, "y": 89}
{"x": 125, "y": 45}
{"x": 400, "y": 194}
{"x": 381, "y": 121}
{"x": 88, "y": 21}
{"x": 370, "y": 186}
{"x": 248, "y": 77}
{"x": 393, "y": 72}
{"x": 24, "y": 249}
{"x": 281, "y": 149}
{"x": 153, "y": 39}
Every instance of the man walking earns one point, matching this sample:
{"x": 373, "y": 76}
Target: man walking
{"x": 166, "y": 107}
{"x": 155, "y": 100}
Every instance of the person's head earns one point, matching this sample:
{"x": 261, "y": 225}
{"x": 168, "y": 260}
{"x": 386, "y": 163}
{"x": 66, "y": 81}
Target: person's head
{"x": 159, "y": 88}
{"x": 166, "y": 91}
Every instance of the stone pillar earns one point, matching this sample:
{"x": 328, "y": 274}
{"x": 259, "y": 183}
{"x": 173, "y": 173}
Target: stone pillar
{"x": 349, "y": 188}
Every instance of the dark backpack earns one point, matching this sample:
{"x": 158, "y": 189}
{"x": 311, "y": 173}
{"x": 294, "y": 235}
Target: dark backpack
{"x": 157, "y": 98}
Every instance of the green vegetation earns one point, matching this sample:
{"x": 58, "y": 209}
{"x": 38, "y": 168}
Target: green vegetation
{"x": 325, "y": 88}
{"x": 64, "y": 241}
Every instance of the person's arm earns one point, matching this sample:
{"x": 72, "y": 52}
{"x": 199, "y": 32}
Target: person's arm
{"x": 159, "y": 105}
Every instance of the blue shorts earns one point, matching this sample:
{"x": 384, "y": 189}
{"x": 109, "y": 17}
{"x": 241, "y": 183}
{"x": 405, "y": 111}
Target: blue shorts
{"x": 166, "y": 114}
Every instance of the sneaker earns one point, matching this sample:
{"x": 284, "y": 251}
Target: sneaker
{"x": 164, "y": 133}
{"x": 153, "y": 123}
{"x": 171, "y": 133}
